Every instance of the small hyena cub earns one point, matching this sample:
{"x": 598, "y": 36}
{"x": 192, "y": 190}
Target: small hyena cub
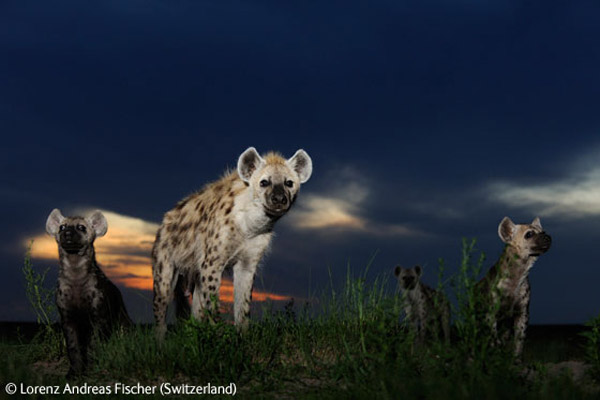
{"x": 229, "y": 223}
{"x": 505, "y": 289}
{"x": 86, "y": 299}
{"x": 427, "y": 310}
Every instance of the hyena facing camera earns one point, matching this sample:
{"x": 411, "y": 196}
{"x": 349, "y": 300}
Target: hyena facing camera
{"x": 427, "y": 310}
{"x": 229, "y": 223}
{"x": 505, "y": 289}
{"x": 85, "y": 297}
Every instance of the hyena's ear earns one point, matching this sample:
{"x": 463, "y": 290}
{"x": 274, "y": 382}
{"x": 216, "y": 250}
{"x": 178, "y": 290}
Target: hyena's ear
{"x": 536, "y": 223}
{"x": 54, "y": 221}
{"x": 98, "y": 223}
{"x": 418, "y": 270}
{"x": 506, "y": 229}
{"x": 397, "y": 271}
{"x": 249, "y": 162}
{"x": 302, "y": 164}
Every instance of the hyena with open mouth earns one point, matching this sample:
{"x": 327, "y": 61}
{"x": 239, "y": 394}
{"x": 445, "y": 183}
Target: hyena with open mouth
{"x": 85, "y": 297}
{"x": 229, "y": 223}
{"x": 505, "y": 290}
{"x": 427, "y": 309}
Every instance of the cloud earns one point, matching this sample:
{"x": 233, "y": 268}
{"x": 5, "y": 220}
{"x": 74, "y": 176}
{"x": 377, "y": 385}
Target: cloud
{"x": 124, "y": 254}
{"x": 574, "y": 196}
{"x": 336, "y": 210}
{"x": 344, "y": 209}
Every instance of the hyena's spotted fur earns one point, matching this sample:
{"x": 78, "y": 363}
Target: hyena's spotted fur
{"x": 505, "y": 289}
{"x": 427, "y": 309}
{"x": 86, "y": 299}
{"x": 228, "y": 223}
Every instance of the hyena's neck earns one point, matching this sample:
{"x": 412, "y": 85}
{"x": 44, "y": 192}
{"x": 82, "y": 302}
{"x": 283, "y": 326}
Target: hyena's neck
{"x": 250, "y": 214}
{"x": 514, "y": 267}
{"x": 77, "y": 266}
{"x": 414, "y": 295}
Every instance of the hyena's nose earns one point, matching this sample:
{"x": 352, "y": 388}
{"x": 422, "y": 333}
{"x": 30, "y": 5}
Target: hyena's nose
{"x": 547, "y": 239}
{"x": 279, "y": 199}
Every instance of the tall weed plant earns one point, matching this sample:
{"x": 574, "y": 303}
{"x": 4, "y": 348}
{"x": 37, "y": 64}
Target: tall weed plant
{"x": 42, "y": 301}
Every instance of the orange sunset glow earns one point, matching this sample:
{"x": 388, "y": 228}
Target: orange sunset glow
{"x": 124, "y": 254}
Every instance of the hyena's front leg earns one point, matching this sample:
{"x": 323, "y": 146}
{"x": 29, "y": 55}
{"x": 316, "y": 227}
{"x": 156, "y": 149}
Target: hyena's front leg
{"x": 446, "y": 322}
{"x": 520, "y": 326}
{"x": 74, "y": 347}
{"x": 205, "y": 300}
{"x": 491, "y": 322}
{"x": 243, "y": 281}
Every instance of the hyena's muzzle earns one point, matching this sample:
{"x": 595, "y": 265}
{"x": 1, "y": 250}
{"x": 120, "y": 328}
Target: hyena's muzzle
{"x": 542, "y": 241}
{"x": 278, "y": 200}
{"x": 72, "y": 238}
{"x": 408, "y": 282}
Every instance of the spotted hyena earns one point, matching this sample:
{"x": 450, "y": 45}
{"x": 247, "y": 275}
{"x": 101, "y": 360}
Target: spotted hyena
{"x": 427, "y": 310}
{"x": 229, "y": 223}
{"x": 505, "y": 289}
{"x": 86, "y": 299}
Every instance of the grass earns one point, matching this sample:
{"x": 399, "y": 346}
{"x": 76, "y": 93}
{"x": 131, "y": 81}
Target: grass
{"x": 354, "y": 346}
{"x": 592, "y": 348}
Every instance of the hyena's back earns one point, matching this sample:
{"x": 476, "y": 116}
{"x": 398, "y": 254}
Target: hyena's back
{"x": 183, "y": 236}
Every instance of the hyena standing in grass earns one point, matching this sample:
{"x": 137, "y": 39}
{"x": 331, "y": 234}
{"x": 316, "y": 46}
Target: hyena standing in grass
{"x": 229, "y": 223}
{"x": 85, "y": 297}
{"x": 505, "y": 290}
{"x": 427, "y": 310}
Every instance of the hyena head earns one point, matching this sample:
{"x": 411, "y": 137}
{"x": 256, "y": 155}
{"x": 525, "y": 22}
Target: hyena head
{"x": 408, "y": 278}
{"x": 75, "y": 234}
{"x": 529, "y": 240}
{"x": 274, "y": 181}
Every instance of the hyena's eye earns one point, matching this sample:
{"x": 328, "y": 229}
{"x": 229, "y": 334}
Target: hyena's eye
{"x": 62, "y": 227}
{"x": 264, "y": 183}
{"x": 289, "y": 183}
{"x": 81, "y": 228}
{"x": 529, "y": 235}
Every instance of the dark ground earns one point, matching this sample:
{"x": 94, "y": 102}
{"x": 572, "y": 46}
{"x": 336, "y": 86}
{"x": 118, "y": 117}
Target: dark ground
{"x": 554, "y": 358}
{"x": 539, "y": 335}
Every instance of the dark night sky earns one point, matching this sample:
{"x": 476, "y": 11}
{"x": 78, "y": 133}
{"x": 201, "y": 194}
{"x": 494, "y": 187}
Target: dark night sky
{"x": 427, "y": 121}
